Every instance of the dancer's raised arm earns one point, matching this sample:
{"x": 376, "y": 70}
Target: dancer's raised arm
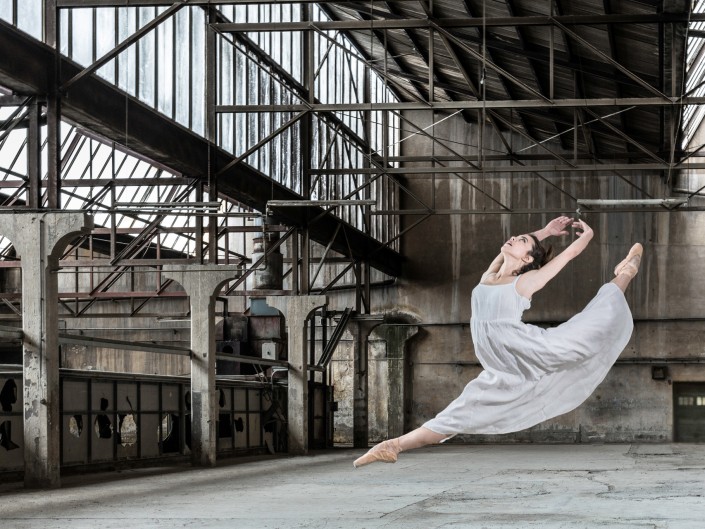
{"x": 534, "y": 280}
{"x": 556, "y": 227}
{"x": 498, "y": 268}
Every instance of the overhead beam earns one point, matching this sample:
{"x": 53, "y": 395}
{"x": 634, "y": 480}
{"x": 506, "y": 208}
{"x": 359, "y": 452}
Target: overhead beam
{"x": 89, "y": 341}
{"x": 496, "y": 169}
{"x": 470, "y": 104}
{"x": 459, "y": 23}
{"x": 542, "y": 211}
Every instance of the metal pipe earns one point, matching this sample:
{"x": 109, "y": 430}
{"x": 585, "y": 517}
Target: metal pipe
{"x": 296, "y": 203}
{"x": 633, "y": 202}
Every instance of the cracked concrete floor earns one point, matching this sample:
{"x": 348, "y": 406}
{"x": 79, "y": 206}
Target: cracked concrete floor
{"x": 452, "y": 486}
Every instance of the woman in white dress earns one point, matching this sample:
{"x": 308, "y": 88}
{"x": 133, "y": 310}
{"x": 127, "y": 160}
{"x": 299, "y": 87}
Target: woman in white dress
{"x": 530, "y": 374}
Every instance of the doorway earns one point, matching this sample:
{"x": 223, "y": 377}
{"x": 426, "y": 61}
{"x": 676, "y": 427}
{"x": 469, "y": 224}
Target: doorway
{"x": 689, "y": 412}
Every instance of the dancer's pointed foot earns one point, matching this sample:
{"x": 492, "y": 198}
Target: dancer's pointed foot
{"x": 385, "y": 451}
{"x": 630, "y": 264}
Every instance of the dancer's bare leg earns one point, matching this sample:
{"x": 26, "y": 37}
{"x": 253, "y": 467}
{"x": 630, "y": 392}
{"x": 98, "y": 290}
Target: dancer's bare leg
{"x": 628, "y": 268}
{"x": 387, "y": 451}
{"x": 420, "y": 437}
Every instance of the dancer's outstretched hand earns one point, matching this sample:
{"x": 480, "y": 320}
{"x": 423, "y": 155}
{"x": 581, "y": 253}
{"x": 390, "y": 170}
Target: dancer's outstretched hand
{"x": 558, "y": 226}
{"x": 586, "y": 230}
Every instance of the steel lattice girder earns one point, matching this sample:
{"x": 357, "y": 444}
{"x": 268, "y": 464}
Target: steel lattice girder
{"x": 26, "y": 67}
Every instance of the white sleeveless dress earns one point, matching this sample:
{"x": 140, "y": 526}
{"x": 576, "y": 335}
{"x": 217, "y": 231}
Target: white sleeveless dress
{"x": 532, "y": 374}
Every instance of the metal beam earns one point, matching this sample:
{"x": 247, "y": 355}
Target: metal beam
{"x": 496, "y": 169}
{"x": 26, "y": 66}
{"x": 471, "y": 104}
{"x": 34, "y": 156}
{"x": 460, "y": 23}
{"x": 244, "y": 359}
{"x": 542, "y": 211}
{"x": 89, "y": 341}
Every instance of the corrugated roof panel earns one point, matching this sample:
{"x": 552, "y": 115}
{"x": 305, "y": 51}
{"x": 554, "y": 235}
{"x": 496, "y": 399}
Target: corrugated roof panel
{"x": 619, "y": 60}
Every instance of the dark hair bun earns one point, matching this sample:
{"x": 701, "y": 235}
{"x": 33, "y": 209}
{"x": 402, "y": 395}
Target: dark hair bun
{"x": 540, "y": 254}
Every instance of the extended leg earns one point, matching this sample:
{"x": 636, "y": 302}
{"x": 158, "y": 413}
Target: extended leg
{"x": 420, "y": 437}
{"x": 387, "y": 451}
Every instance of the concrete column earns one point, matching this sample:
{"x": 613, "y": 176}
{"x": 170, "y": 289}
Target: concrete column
{"x": 202, "y": 283}
{"x": 296, "y": 310}
{"x": 40, "y": 238}
{"x": 361, "y": 330}
{"x": 396, "y": 337}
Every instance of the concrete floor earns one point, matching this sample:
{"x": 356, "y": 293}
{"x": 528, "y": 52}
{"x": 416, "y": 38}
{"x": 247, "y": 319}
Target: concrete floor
{"x": 493, "y": 487}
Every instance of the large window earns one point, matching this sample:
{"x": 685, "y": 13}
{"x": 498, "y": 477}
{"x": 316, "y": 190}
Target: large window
{"x": 166, "y": 69}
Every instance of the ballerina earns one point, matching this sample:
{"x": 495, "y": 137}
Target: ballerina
{"x": 530, "y": 374}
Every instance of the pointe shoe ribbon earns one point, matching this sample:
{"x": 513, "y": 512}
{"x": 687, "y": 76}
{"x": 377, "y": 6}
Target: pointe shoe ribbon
{"x": 385, "y": 452}
{"x": 626, "y": 266}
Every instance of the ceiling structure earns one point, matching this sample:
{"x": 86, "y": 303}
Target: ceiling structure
{"x": 588, "y": 84}
{"x": 604, "y": 80}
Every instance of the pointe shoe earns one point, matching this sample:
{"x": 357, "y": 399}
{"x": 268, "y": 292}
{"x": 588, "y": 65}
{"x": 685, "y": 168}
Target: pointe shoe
{"x": 385, "y": 452}
{"x": 630, "y": 264}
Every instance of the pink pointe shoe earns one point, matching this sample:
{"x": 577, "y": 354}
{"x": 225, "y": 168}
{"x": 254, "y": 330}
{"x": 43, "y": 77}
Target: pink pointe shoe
{"x": 386, "y": 452}
{"x": 630, "y": 264}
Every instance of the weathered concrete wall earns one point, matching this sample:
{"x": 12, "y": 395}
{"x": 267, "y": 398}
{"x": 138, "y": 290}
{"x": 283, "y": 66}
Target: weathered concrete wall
{"x": 342, "y": 368}
{"x": 448, "y": 253}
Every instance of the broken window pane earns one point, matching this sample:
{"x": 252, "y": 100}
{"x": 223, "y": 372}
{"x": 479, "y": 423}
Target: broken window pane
{"x": 8, "y": 395}
{"x": 6, "y": 436}
{"x": 127, "y": 430}
{"x": 76, "y": 425}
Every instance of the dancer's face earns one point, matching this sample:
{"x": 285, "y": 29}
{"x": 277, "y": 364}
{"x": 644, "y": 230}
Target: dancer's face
{"x": 519, "y": 246}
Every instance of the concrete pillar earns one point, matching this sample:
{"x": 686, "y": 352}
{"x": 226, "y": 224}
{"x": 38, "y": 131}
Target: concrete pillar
{"x": 202, "y": 283}
{"x": 296, "y": 310}
{"x": 396, "y": 337}
{"x": 361, "y": 330}
{"x": 40, "y": 238}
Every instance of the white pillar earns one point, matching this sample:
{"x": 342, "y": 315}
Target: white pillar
{"x": 202, "y": 283}
{"x": 40, "y": 238}
{"x": 361, "y": 329}
{"x": 296, "y": 310}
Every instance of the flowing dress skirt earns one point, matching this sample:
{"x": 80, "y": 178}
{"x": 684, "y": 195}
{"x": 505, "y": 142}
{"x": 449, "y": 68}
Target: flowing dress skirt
{"x": 532, "y": 374}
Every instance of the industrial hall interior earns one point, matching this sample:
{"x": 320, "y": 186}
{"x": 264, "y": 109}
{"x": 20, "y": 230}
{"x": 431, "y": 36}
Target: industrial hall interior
{"x": 239, "y": 241}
